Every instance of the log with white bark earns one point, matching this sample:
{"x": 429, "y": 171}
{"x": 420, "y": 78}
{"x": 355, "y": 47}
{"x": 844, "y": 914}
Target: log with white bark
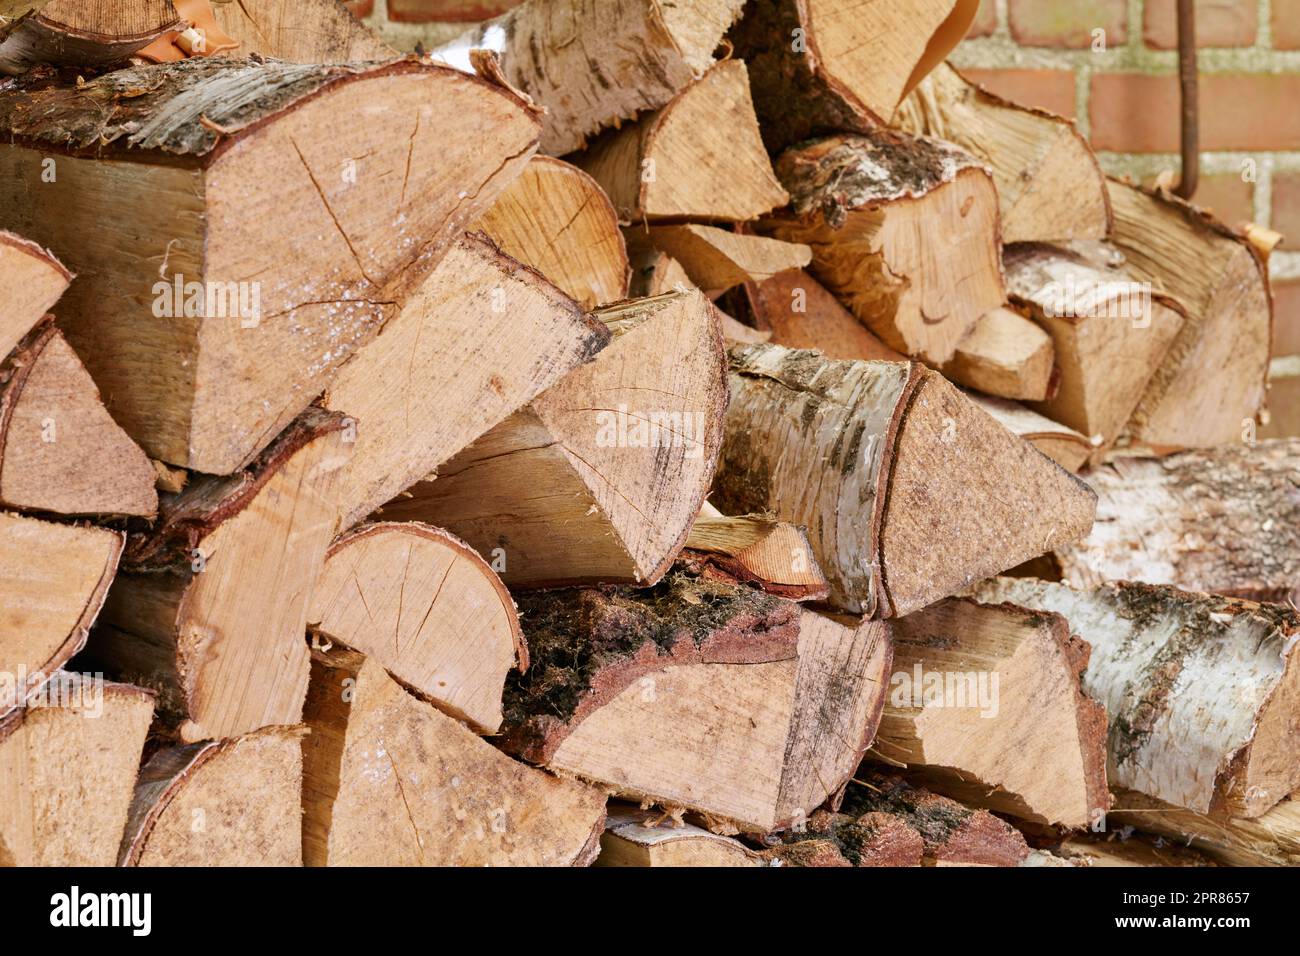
{"x": 1202, "y": 692}
{"x": 700, "y": 157}
{"x": 601, "y": 477}
{"x": 1222, "y": 519}
{"x": 206, "y": 325}
{"x": 211, "y": 605}
{"x": 425, "y": 606}
{"x": 556, "y": 218}
{"x": 829, "y": 65}
{"x": 881, "y": 460}
{"x": 698, "y": 694}
{"x": 594, "y": 63}
{"x": 437, "y": 378}
{"x": 232, "y": 802}
{"x": 67, "y": 767}
{"x": 985, "y": 706}
{"x": 1050, "y": 187}
{"x": 391, "y": 781}
{"x": 903, "y": 229}
{"x": 1269, "y": 840}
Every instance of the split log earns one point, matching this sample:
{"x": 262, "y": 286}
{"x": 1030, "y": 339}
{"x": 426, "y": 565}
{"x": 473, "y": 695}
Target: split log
{"x": 555, "y": 218}
{"x": 31, "y": 281}
{"x": 1201, "y": 691}
{"x": 700, "y": 157}
{"x": 67, "y": 766}
{"x": 655, "y": 272}
{"x": 801, "y": 314}
{"x": 454, "y": 381}
{"x": 698, "y": 694}
{"x": 772, "y": 555}
{"x": 234, "y": 802}
{"x": 1065, "y": 446}
{"x": 828, "y": 65}
{"x": 1110, "y": 332}
{"x": 985, "y": 706}
{"x": 1007, "y": 355}
{"x": 715, "y": 259}
{"x": 1221, "y": 283}
{"x": 1225, "y": 520}
{"x": 424, "y": 605}
{"x": 243, "y": 330}
{"x": 87, "y": 33}
{"x": 1134, "y": 849}
{"x": 211, "y": 606}
{"x": 1050, "y": 187}
{"x": 301, "y": 31}
{"x": 880, "y": 808}
{"x": 391, "y": 781}
{"x": 641, "y": 838}
{"x": 60, "y": 451}
{"x": 600, "y": 479}
{"x": 862, "y": 454}
{"x": 635, "y": 55}
{"x": 829, "y": 839}
{"x": 1269, "y": 840}
{"x": 55, "y": 579}
{"x": 904, "y": 230}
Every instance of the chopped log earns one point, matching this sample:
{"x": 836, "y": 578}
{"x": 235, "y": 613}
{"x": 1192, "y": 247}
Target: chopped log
{"x": 904, "y": 230}
{"x": 697, "y": 694}
{"x": 86, "y": 33}
{"x": 1269, "y": 840}
{"x": 600, "y": 479}
{"x": 634, "y": 56}
{"x": 1050, "y": 187}
{"x": 643, "y": 839}
{"x": 1065, "y": 446}
{"x": 1007, "y": 355}
{"x": 391, "y": 781}
{"x": 301, "y": 31}
{"x": 60, "y": 452}
{"x": 1201, "y": 691}
{"x": 830, "y": 839}
{"x": 1135, "y": 849}
{"x": 1221, "y": 283}
{"x": 67, "y": 766}
{"x": 738, "y": 333}
{"x": 951, "y": 834}
{"x": 801, "y": 314}
{"x": 456, "y": 381}
{"x": 827, "y": 65}
{"x": 555, "y": 218}
{"x": 55, "y": 579}
{"x": 1110, "y": 332}
{"x": 852, "y": 451}
{"x": 700, "y": 157}
{"x": 211, "y": 606}
{"x": 243, "y": 331}
{"x": 1225, "y": 520}
{"x": 715, "y": 259}
{"x": 31, "y": 281}
{"x": 985, "y": 706}
{"x": 423, "y": 604}
{"x": 772, "y": 555}
{"x": 655, "y": 272}
{"x": 234, "y": 802}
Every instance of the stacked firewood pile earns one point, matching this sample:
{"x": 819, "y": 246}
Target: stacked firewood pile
{"x": 821, "y": 463}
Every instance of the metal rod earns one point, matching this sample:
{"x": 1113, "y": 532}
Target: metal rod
{"x": 1187, "y": 77}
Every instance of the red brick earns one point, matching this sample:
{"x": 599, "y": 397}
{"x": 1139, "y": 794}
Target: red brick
{"x": 1286, "y": 208}
{"x": 360, "y": 8}
{"x": 448, "y": 11}
{"x": 1047, "y": 89}
{"x": 986, "y": 20}
{"x": 1068, "y": 23}
{"x": 1286, "y": 318}
{"x": 1138, "y": 113}
{"x": 1286, "y": 24}
{"x": 1219, "y": 23}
